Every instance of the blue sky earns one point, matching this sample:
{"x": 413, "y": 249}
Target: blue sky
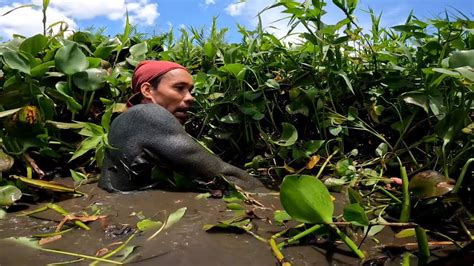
{"x": 155, "y": 16}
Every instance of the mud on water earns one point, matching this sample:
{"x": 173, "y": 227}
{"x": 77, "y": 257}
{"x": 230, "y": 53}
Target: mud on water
{"x": 185, "y": 243}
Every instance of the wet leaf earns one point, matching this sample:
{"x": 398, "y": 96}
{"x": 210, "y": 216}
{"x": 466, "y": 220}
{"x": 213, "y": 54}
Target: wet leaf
{"x": 306, "y": 199}
{"x": 354, "y": 196}
{"x": 355, "y": 214}
{"x": 8, "y": 195}
{"x": 381, "y": 149}
{"x": 6, "y": 161}
{"x": 312, "y": 162}
{"x": 70, "y": 59}
{"x": 16, "y": 61}
{"x": 46, "y": 185}
{"x": 34, "y": 44}
{"x": 462, "y": 58}
{"x": 203, "y": 196}
{"x": 343, "y": 167}
{"x": 90, "y": 80}
{"x": 147, "y": 224}
{"x": 235, "y": 206}
{"x": 9, "y": 112}
{"x": 26, "y": 241}
{"x": 281, "y": 216}
{"x": 288, "y": 136}
{"x": 46, "y": 240}
{"x": 77, "y": 176}
{"x": 175, "y": 217}
{"x": 410, "y": 232}
{"x": 231, "y": 118}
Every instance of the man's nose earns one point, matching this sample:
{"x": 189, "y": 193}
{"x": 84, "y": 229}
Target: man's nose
{"x": 189, "y": 99}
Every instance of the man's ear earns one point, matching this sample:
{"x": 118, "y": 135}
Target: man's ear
{"x": 146, "y": 90}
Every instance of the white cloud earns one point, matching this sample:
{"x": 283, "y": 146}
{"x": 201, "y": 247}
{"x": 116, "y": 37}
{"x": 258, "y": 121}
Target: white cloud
{"x": 210, "y": 2}
{"x": 235, "y": 9}
{"x": 28, "y": 21}
{"x": 15, "y": 22}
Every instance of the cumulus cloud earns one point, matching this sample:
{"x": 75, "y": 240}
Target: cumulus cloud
{"x": 28, "y": 21}
{"x": 210, "y": 2}
{"x": 235, "y": 9}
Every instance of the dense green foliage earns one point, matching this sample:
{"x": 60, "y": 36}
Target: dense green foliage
{"x": 363, "y": 101}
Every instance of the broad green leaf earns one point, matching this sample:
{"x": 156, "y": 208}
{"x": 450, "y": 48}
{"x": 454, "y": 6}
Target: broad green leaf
{"x": 446, "y": 72}
{"x": 139, "y": 50}
{"x": 289, "y": 135}
{"x": 281, "y": 216}
{"x": 417, "y": 98}
{"x": 72, "y": 104}
{"x": 70, "y": 59}
{"x": 235, "y": 206}
{"x": 271, "y": 83}
{"x": 16, "y": 61}
{"x": 88, "y": 144}
{"x": 104, "y": 49}
{"x": 346, "y": 79}
{"x": 90, "y": 80}
{"x": 147, "y": 224}
{"x": 343, "y": 167}
{"x": 409, "y": 232}
{"x": 237, "y": 70}
{"x": 77, "y": 176}
{"x": 450, "y": 125}
{"x": 306, "y": 199}
{"x": 34, "y": 44}
{"x": 175, "y": 217}
{"x": 41, "y": 69}
{"x": 354, "y": 196}
{"x": 8, "y": 195}
{"x": 462, "y": 58}
{"x": 355, "y": 214}
{"x": 467, "y": 72}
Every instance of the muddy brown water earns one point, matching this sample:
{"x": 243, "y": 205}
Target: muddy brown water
{"x": 185, "y": 243}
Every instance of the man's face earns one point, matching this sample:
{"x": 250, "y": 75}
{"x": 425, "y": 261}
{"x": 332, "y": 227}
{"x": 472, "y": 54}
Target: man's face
{"x": 174, "y": 93}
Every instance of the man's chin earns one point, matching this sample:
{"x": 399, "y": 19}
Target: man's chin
{"x": 181, "y": 116}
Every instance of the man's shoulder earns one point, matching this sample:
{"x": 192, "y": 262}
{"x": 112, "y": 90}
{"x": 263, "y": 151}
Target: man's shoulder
{"x": 145, "y": 108}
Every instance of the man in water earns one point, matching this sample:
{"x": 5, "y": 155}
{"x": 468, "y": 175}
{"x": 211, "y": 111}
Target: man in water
{"x": 150, "y": 133}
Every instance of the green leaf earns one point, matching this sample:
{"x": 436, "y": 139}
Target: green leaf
{"x": 355, "y": 214}
{"x": 450, "y": 125}
{"x": 45, "y": 185}
{"x": 462, "y": 58}
{"x": 104, "y": 50}
{"x": 417, "y": 98}
{"x": 147, "y": 224}
{"x": 90, "y": 80}
{"x": 231, "y": 118}
{"x": 88, "y": 144}
{"x": 63, "y": 125}
{"x": 34, "y": 44}
{"x": 289, "y": 135}
{"x": 409, "y": 232}
{"x": 8, "y": 195}
{"x": 72, "y": 104}
{"x": 467, "y": 72}
{"x": 306, "y": 199}
{"x": 381, "y": 149}
{"x": 70, "y": 59}
{"x": 346, "y": 79}
{"x": 281, "y": 216}
{"x": 237, "y": 70}
{"x": 77, "y": 176}
{"x": 235, "y": 206}
{"x": 343, "y": 167}
{"x": 175, "y": 217}
{"x": 354, "y": 196}
{"x": 139, "y": 50}
{"x": 9, "y": 112}
{"x": 41, "y": 69}
{"x": 26, "y": 241}
{"x": 16, "y": 61}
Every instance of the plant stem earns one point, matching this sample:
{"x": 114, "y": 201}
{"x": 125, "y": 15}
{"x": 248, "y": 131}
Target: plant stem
{"x": 277, "y": 252}
{"x": 300, "y": 235}
{"x": 63, "y": 212}
{"x": 325, "y": 163}
{"x": 348, "y": 242}
{"x": 81, "y": 256}
{"x": 405, "y": 213}
{"x": 390, "y": 195}
{"x": 423, "y": 247}
{"x": 113, "y": 252}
